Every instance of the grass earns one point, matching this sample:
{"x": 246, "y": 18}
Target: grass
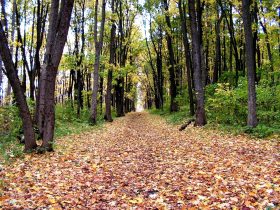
{"x": 67, "y": 123}
{"x": 180, "y": 117}
{"x": 175, "y": 118}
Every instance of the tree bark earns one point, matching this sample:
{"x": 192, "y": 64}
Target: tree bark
{"x": 59, "y": 22}
{"x": 29, "y": 135}
{"x": 217, "y": 65}
{"x": 250, "y": 63}
{"x": 98, "y": 48}
{"x": 172, "y": 77}
{"x": 108, "y": 114}
{"x": 200, "y": 110}
{"x": 182, "y": 11}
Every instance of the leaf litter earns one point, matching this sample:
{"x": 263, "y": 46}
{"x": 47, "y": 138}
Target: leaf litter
{"x": 141, "y": 162}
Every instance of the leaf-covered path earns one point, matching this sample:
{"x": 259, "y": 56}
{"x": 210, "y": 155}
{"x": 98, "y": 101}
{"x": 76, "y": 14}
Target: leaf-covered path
{"x": 140, "y": 161}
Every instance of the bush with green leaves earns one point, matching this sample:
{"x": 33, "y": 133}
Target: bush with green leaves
{"x": 226, "y": 105}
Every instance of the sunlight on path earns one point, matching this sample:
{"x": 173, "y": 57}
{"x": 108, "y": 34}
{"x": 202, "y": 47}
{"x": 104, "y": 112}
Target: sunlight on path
{"x": 139, "y": 92}
{"x": 139, "y": 102}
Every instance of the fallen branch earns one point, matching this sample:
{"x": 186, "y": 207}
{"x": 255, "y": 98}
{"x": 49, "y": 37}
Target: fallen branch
{"x": 186, "y": 124}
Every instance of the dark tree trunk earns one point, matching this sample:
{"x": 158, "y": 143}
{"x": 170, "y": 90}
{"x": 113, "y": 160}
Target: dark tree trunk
{"x": 172, "y": 77}
{"x": 9, "y": 88}
{"x": 88, "y": 89}
{"x": 233, "y": 42}
{"x": 200, "y": 110}
{"x": 154, "y": 72}
{"x": 57, "y": 34}
{"x": 29, "y": 135}
{"x": 250, "y": 63}
{"x": 224, "y": 51}
{"x": 108, "y": 97}
{"x": 80, "y": 101}
{"x": 79, "y": 53}
{"x": 98, "y": 48}
{"x": 187, "y": 54}
{"x": 119, "y": 88}
{"x": 157, "y": 45}
{"x": 101, "y": 84}
{"x": 268, "y": 47}
{"x": 217, "y": 66}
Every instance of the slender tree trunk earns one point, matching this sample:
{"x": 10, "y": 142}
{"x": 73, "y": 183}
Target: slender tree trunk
{"x": 172, "y": 77}
{"x": 5, "y": 23}
{"x": 154, "y": 73}
{"x": 224, "y": 51}
{"x": 232, "y": 40}
{"x": 200, "y": 110}
{"x": 100, "y": 88}
{"x": 98, "y": 48}
{"x": 108, "y": 115}
{"x": 217, "y": 66}
{"x": 250, "y": 62}
{"x": 187, "y": 54}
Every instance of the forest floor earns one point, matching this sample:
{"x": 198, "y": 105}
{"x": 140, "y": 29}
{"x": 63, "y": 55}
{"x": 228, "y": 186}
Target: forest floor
{"x": 141, "y": 162}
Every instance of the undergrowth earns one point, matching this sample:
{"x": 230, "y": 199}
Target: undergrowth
{"x": 226, "y": 109}
{"x": 67, "y": 123}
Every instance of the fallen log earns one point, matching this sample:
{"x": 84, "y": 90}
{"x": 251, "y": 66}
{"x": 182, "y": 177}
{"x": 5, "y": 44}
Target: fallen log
{"x": 183, "y": 127}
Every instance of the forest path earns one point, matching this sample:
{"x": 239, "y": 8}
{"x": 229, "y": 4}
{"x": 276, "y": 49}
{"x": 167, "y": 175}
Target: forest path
{"x": 140, "y": 161}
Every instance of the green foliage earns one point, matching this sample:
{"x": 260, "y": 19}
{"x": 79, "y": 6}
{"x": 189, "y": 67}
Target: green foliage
{"x": 66, "y": 123}
{"x": 226, "y": 108}
{"x": 172, "y": 117}
{"x": 10, "y": 128}
{"x": 225, "y": 105}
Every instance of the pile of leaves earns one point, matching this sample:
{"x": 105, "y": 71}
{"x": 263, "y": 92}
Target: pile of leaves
{"x": 141, "y": 162}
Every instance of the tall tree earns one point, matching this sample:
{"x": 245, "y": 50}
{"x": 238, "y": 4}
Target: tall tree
{"x": 217, "y": 66}
{"x": 108, "y": 97}
{"x": 59, "y": 22}
{"x": 11, "y": 72}
{"x": 79, "y": 29}
{"x": 172, "y": 63}
{"x": 196, "y": 54}
{"x": 182, "y": 10}
{"x": 98, "y": 48}
{"x": 250, "y": 63}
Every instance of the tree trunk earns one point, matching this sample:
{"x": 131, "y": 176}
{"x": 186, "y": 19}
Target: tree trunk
{"x": 172, "y": 77}
{"x": 250, "y": 63}
{"x": 200, "y": 110}
{"x": 29, "y": 135}
{"x": 187, "y": 54}
{"x": 98, "y": 48}
{"x": 108, "y": 97}
{"x": 119, "y": 89}
{"x": 217, "y": 66}
{"x": 57, "y": 34}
